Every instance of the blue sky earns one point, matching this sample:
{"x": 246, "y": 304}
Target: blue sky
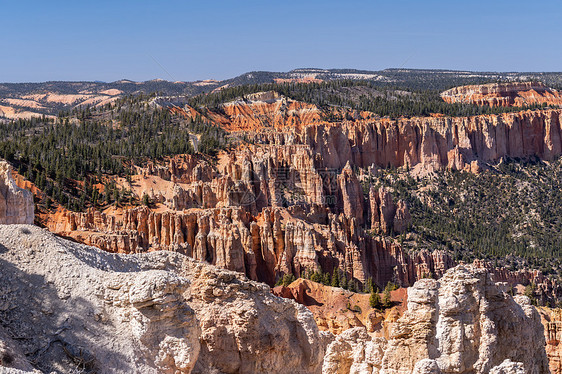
{"x": 190, "y": 40}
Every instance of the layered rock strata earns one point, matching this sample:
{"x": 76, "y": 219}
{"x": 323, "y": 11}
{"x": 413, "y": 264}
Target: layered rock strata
{"x": 504, "y": 94}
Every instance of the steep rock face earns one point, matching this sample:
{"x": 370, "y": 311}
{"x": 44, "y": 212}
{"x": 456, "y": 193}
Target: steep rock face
{"x": 428, "y": 143}
{"x": 463, "y": 323}
{"x": 350, "y": 198}
{"x": 503, "y": 94}
{"x": 552, "y": 321}
{"x": 16, "y": 204}
{"x": 387, "y": 216}
{"x": 263, "y": 247}
{"x": 73, "y": 307}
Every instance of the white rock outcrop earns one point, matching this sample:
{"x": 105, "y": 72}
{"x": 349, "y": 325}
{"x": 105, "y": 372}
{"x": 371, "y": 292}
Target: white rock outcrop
{"x": 16, "y": 204}
{"x": 67, "y": 308}
{"x": 462, "y": 323}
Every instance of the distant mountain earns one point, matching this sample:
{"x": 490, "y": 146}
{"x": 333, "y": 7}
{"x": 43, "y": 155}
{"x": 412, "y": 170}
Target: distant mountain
{"x": 23, "y": 100}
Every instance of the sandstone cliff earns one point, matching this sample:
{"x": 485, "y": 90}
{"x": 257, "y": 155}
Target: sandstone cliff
{"x": 504, "y": 94}
{"x": 16, "y": 204}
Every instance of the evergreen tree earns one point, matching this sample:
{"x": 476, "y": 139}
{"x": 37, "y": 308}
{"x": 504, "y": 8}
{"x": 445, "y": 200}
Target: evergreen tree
{"x": 375, "y": 299}
{"x": 336, "y": 278}
{"x": 386, "y": 301}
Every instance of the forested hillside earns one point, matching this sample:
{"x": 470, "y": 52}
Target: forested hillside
{"x": 66, "y": 156}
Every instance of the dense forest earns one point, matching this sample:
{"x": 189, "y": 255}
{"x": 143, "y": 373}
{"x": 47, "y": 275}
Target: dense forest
{"x": 360, "y": 95}
{"x": 511, "y": 214}
{"x": 86, "y": 144}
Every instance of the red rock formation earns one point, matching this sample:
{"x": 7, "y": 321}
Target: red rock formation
{"x": 552, "y": 322}
{"x": 428, "y": 143}
{"x": 504, "y": 94}
{"x": 386, "y": 216}
{"x": 337, "y": 310}
{"x": 264, "y": 247}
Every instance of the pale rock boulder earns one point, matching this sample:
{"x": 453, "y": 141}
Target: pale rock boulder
{"x": 16, "y": 204}
{"x": 68, "y": 308}
{"x": 246, "y": 329}
{"x": 354, "y": 352}
{"x": 508, "y": 367}
{"x": 463, "y": 323}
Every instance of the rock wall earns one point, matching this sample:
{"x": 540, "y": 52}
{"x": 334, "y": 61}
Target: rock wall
{"x": 263, "y": 247}
{"x": 16, "y": 204}
{"x": 433, "y": 143}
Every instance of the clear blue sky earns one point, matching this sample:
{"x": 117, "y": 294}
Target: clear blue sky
{"x": 190, "y": 40}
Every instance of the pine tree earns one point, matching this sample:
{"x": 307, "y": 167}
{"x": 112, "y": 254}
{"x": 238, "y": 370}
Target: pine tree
{"x": 352, "y": 286}
{"x": 369, "y": 285}
{"x": 375, "y": 299}
{"x": 343, "y": 281}
{"x": 386, "y": 301}
{"x": 326, "y": 279}
{"x": 336, "y": 278}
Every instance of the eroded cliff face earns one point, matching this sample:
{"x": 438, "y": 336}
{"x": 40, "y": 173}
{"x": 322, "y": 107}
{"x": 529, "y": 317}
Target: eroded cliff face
{"x": 504, "y": 94}
{"x": 462, "y": 323}
{"x": 301, "y": 195}
{"x": 263, "y": 247}
{"x": 16, "y": 204}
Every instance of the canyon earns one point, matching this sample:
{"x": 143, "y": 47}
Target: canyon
{"x": 302, "y": 194}
{"x": 66, "y": 307}
{"x": 183, "y": 290}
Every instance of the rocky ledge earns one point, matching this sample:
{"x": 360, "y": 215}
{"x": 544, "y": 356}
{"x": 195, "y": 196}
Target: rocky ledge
{"x": 67, "y": 307}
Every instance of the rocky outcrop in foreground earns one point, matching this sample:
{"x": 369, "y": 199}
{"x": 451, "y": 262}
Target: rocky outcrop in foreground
{"x": 462, "y": 323}
{"x": 66, "y": 307}
{"x": 16, "y": 204}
